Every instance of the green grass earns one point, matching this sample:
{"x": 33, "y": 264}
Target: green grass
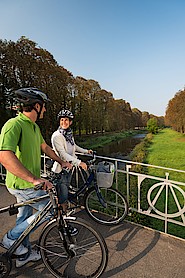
{"x": 167, "y": 150}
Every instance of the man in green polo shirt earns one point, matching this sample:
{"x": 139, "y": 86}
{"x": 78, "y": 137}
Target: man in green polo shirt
{"x": 27, "y": 149}
{"x": 21, "y": 144}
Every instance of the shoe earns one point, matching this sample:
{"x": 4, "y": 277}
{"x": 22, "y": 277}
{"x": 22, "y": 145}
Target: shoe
{"x": 72, "y": 198}
{"x": 72, "y": 231}
{"x": 33, "y": 257}
{"x": 7, "y": 242}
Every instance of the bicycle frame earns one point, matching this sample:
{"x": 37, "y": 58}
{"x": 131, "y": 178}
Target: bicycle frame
{"x": 71, "y": 248}
{"x": 33, "y": 224}
{"x": 91, "y": 178}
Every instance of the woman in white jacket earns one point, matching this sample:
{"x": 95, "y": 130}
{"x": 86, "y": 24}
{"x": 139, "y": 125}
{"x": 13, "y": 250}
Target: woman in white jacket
{"x": 64, "y": 145}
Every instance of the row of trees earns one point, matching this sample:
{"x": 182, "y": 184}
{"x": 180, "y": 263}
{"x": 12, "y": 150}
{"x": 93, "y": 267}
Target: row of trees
{"x": 175, "y": 112}
{"x": 24, "y": 64}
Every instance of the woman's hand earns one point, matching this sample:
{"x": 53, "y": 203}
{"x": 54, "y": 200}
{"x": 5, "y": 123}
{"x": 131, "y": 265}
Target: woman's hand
{"x": 83, "y": 165}
{"x": 90, "y": 151}
{"x": 67, "y": 165}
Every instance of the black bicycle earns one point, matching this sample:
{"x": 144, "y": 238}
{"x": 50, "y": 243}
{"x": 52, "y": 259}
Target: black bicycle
{"x": 83, "y": 255}
{"x": 102, "y": 202}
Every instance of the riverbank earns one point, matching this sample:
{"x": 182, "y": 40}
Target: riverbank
{"x": 95, "y": 141}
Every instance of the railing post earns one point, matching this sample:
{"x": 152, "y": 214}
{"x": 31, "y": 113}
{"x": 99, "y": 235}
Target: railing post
{"x": 128, "y": 184}
{"x": 166, "y": 205}
{"x": 116, "y": 166}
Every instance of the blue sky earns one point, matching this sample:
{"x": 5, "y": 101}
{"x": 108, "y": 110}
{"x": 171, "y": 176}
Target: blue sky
{"x": 133, "y": 48}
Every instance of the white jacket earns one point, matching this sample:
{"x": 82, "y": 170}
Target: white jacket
{"x": 60, "y": 147}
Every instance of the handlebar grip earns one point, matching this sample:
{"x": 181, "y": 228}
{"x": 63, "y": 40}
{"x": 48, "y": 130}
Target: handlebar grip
{"x": 89, "y": 162}
{"x": 39, "y": 186}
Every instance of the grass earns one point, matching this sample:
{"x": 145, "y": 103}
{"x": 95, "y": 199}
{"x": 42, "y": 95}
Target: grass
{"x": 167, "y": 150}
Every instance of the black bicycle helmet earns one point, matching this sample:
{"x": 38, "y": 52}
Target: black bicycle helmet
{"x": 65, "y": 114}
{"x": 30, "y": 96}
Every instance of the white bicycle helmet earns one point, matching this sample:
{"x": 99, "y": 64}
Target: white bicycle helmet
{"x": 65, "y": 114}
{"x": 30, "y": 96}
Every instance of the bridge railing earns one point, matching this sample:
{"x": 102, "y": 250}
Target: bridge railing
{"x": 155, "y": 196}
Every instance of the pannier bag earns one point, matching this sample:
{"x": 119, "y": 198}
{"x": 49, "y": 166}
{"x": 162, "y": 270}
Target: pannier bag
{"x": 105, "y": 174}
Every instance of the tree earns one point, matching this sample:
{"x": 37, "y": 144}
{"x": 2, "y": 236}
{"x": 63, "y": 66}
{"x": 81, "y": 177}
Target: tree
{"x": 25, "y": 64}
{"x": 152, "y": 125}
{"x": 145, "y": 118}
{"x": 175, "y": 112}
{"x": 137, "y": 118}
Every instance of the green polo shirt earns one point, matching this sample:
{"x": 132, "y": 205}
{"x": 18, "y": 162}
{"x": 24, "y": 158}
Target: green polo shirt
{"x": 23, "y": 137}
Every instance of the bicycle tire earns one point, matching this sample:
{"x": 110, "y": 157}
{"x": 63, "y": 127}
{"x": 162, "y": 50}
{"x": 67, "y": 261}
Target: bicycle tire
{"x": 115, "y": 211}
{"x": 5, "y": 265}
{"x": 90, "y": 253}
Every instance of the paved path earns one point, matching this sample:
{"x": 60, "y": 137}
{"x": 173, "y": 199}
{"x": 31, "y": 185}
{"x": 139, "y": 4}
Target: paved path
{"x": 134, "y": 252}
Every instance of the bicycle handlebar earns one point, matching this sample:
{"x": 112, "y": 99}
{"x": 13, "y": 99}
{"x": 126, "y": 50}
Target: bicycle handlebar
{"x": 90, "y": 162}
{"x": 39, "y": 186}
{"x": 51, "y": 192}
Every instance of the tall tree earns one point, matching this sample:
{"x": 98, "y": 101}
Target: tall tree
{"x": 175, "y": 112}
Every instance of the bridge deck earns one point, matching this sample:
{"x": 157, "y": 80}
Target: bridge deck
{"x": 134, "y": 251}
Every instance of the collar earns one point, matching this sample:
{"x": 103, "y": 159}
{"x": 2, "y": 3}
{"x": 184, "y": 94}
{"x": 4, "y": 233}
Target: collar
{"x": 23, "y": 117}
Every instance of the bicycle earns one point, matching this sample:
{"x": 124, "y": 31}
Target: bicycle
{"x": 103, "y": 203}
{"x": 83, "y": 255}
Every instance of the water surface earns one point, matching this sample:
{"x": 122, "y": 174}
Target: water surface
{"x": 122, "y": 148}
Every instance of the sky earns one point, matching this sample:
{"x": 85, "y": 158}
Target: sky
{"x": 134, "y": 49}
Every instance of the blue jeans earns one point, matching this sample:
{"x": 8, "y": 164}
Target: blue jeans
{"x": 25, "y": 215}
{"x": 61, "y": 181}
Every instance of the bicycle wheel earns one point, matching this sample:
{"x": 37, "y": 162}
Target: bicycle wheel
{"x": 116, "y": 206}
{"x": 5, "y": 265}
{"x": 87, "y": 253}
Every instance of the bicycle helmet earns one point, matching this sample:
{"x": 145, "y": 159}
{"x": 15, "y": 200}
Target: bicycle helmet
{"x": 30, "y": 96}
{"x": 65, "y": 114}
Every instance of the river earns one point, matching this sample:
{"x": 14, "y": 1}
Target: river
{"x": 122, "y": 148}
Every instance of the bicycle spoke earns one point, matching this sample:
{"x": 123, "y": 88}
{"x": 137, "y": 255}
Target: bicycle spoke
{"x": 115, "y": 210}
{"x": 89, "y": 256}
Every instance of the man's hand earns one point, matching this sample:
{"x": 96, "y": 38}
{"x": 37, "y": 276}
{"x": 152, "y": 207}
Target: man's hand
{"x": 47, "y": 184}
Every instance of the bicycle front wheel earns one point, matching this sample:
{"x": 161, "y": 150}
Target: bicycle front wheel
{"x": 86, "y": 255}
{"x": 116, "y": 206}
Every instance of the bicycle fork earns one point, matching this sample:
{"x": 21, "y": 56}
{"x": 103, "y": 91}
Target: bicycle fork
{"x": 100, "y": 197}
{"x": 68, "y": 240}
{"x": 98, "y": 192}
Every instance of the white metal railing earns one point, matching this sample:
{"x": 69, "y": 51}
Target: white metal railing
{"x": 159, "y": 186}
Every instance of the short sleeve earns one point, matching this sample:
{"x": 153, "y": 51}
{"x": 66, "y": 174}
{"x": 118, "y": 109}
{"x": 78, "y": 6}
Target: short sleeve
{"x": 10, "y": 130}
